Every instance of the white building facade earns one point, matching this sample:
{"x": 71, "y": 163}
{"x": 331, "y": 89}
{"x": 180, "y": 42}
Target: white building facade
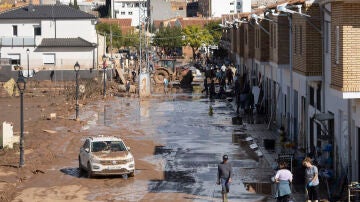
{"x": 129, "y": 9}
{"x": 48, "y": 37}
{"x": 216, "y": 8}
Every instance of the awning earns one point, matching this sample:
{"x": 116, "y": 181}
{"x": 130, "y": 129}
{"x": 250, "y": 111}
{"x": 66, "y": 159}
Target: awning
{"x": 323, "y": 116}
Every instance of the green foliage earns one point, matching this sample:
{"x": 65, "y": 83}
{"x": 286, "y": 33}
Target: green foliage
{"x": 104, "y": 28}
{"x": 132, "y": 39}
{"x": 215, "y": 30}
{"x": 168, "y": 38}
{"x": 195, "y": 37}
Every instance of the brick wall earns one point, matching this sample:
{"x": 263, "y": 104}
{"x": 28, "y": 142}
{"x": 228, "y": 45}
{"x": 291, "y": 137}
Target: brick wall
{"x": 264, "y": 42}
{"x": 307, "y": 50}
{"x": 345, "y": 76}
{"x": 241, "y": 40}
{"x": 249, "y": 39}
{"x": 282, "y": 40}
{"x": 279, "y": 40}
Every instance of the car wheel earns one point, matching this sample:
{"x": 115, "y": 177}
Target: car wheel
{"x": 89, "y": 172}
{"x": 132, "y": 174}
{"x": 80, "y": 166}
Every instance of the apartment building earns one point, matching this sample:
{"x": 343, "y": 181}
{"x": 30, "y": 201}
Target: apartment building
{"x": 310, "y": 74}
{"x": 130, "y": 9}
{"x": 216, "y": 8}
{"x": 165, "y": 9}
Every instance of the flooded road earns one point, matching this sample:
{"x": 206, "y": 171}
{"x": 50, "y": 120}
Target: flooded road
{"x": 189, "y": 143}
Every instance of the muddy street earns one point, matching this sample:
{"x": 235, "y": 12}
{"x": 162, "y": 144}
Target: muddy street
{"x": 176, "y": 143}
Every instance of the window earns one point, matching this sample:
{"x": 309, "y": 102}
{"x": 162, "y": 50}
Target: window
{"x": 271, "y": 35}
{"x": 231, "y": 11}
{"x": 122, "y": 13}
{"x": 300, "y": 43}
{"x": 136, "y": 5}
{"x": 231, "y": 3}
{"x": 327, "y": 36}
{"x": 181, "y": 8}
{"x": 130, "y": 13}
{"x": 15, "y": 59}
{"x": 15, "y": 30}
{"x": 295, "y": 40}
{"x": 337, "y": 39}
{"x": 312, "y": 96}
{"x": 245, "y": 35}
{"x": 37, "y": 31}
{"x": 49, "y": 58}
{"x": 276, "y": 31}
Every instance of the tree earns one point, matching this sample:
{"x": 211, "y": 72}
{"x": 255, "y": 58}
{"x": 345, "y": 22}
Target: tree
{"x": 195, "y": 37}
{"x": 215, "y": 30}
{"x": 104, "y": 28}
{"x": 168, "y": 39}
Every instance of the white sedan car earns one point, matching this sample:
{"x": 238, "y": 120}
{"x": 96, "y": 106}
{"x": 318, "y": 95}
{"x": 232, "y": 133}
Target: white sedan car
{"x": 106, "y": 156}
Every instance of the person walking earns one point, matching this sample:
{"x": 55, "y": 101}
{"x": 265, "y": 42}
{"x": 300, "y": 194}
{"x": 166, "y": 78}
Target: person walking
{"x": 224, "y": 177}
{"x": 311, "y": 180}
{"x": 212, "y": 89}
{"x": 206, "y": 88}
{"x": 166, "y": 84}
{"x": 283, "y": 178}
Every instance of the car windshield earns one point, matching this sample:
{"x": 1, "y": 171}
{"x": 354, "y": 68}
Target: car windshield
{"x": 108, "y": 146}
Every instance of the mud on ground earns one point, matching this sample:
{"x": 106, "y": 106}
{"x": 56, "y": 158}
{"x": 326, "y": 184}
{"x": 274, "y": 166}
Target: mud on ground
{"x": 52, "y": 145}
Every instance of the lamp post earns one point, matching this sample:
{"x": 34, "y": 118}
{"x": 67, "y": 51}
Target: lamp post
{"x": 104, "y": 71}
{"x": 27, "y": 53}
{"x": 77, "y": 68}
{"x": 21, "y": 84}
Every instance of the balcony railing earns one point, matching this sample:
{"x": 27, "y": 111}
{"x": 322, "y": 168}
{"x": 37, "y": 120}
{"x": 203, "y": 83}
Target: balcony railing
{"x": 17, "y": 41}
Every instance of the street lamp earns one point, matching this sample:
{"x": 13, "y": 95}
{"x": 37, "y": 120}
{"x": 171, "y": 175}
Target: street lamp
{"x": 104, "y": 70}
{"x": 27, "y": 53}
{"x": 21, "y": 84}
{"x": 77, "y": 68}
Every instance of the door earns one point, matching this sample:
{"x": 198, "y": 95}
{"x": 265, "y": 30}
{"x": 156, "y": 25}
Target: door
{"x": 84, "y": 154}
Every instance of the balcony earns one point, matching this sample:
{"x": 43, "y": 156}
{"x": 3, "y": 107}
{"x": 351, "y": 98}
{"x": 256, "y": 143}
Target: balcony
{"x": 17, "y": 41}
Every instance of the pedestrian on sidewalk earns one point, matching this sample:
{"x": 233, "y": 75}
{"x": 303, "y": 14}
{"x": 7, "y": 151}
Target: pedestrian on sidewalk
{"x": 212, "y": 89}
{"x": 206, "y": 88}
{"x": 224, "y": 177}
{"x": 311, "y": 180}
{"x": 283, "y": 179}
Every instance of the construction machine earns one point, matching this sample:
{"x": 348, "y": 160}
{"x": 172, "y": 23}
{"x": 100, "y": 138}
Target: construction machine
{"x": 166, "y": 68}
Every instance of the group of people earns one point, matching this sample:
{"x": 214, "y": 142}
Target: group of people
{"x": 283, "y": 179}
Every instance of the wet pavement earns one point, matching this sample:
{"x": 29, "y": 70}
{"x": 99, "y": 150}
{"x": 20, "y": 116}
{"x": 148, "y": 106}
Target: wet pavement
{"x": 191, "y": 144}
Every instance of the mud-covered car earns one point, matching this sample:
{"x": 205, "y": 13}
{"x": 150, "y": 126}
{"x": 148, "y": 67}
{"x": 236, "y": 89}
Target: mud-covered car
{"x": 106, "y": 156}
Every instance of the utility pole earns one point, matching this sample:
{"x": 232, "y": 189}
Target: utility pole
{"x": 111, "y": 40}
{"x": 144, "y": 76}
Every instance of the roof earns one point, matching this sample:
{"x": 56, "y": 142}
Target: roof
{"x": 56, "y": 11}
{"x": 124, "y": 23}
{"x": 65, "y": 42}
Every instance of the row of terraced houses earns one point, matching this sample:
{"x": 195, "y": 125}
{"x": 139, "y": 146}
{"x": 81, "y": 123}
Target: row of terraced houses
{"x": 305, "y": 56}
